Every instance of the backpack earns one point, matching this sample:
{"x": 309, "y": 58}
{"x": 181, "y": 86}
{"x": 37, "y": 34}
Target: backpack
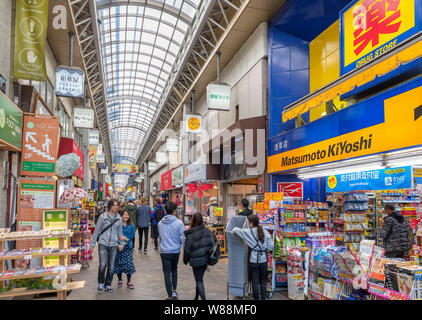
{"x": 159, "y": 214}
{"x": 214, "y": 253}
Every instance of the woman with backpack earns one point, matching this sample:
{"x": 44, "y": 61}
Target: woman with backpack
{"x": 259, "y": 241}
{"x": 198, "y": 244}
{"x": 157, "y": 214}
{"x": 124, "y": 258}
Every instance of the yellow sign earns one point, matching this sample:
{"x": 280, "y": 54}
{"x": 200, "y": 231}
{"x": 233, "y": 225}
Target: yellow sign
{"x": 54, "y": 220}
{"x": 399, "y": 130}
{"x": 125, "y": 168}
{"x": 218, "y": 212}
{"x": 417, "y": 172}
{"x": 193, "y": 123}
{"x": 332, "y": 182}
{"x": 371, "y": 28}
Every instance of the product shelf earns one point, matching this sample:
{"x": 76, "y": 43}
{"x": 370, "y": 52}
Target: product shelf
{"x": 39, "y": 275}
{"x": 316, "y": 295}
{"x": 386, "y": 293}
{"x": 38, "y": 255}
{"x": 35, "y": 237}
{"x": 24, "y": 292}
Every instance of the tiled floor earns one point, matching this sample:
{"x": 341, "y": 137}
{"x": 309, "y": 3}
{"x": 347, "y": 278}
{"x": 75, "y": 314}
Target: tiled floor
{"x": 149, "y": 282}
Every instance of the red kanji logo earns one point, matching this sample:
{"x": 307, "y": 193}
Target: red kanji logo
{"x": 377, "y": 22}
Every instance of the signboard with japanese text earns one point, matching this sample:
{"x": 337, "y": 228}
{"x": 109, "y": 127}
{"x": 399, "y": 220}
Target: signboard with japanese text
{"x": 93, "y": 137}
{"x": 177, "y": 176}
{"x": 83, "y": 118}
{"x": 166, "y": 181}
{"x": 384, "y": 179}
{"x": 70, "y": 82}
{"x": 129, "y": 169}
{"x": 39, "y": 146}
{"x": 54, "y": 220}
{"x": 370, "y": 28}
{"x": 10, "y": 124}
{"x": 291, "y": 189}
{"x": 347, "y": 134}
{"x": 218, "y": 97}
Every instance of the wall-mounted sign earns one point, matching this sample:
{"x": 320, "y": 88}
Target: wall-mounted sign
{"x": 93, "y": 137}
{"x": 39, "y": 146}
{"x": 195, "y": 172}
{"x": 161, "y": 157}
{"x": 70, "y": 82}
{"x": 291, "y": 189}
{"x": 10, "y": 124}
{"x": 346, "y": 134}
{"x": 177, "y": 176}
{"x": 83, "y": 118}
{"x": 166, "y": 181}
{"x": 193, "y": 123}
{"x": 31, "y": 39}
{"x": 218, "y": 96}
{"x": 172, "y": 144}
{"x": 371, "y": 28}
{"x": 129, "y": 169}
{"x": 54, "y": 220}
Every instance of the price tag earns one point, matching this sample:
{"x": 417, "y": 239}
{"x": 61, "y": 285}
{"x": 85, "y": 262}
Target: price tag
{"x": 28, "y": 257}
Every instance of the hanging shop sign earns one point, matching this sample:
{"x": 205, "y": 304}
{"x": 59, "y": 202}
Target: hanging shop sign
{"x": 92, "y": 158}
{"x": 70, "y": 82}
{"x": 10, "y": 125}
{"x": 100, "y": 158}
{"x": 104, "y": 171}
{"x": 128, "y": 169}
{"x": 193, "y": 123}
{"x": 83, "y": 118}
{"x": 218, "y": 96}
{"x": 93, "y": 137}
{"x": 291, "y": 189}
{"x": 161, "y": 157}
{"x": 172, "y": 145}
{"x": 368, "y": 127}
{"x": 166, "y": 181}
{"x": 39, "y": 146}
{"x": 152, "y": 166}
{"x": 371, "y": 28}
{"x": 177, "y": 176}
{"x": 31, "y": 39}
{"x": 68, "y": 145}
{"x": 100, "y": 148}
{"x": 385, "y": 179}
{"x": 195, "y": 172}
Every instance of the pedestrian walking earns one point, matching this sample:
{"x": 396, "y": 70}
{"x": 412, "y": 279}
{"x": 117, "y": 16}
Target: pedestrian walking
{"x": 157, "y": 214}
{"x": 198, "y": 243}
{"x": 124, "y": 258}
{"x": 143, "y": 213}
{"x": 131, "y": 208}
{"x": 171, "y": 231}
{"x": 394, "y": 233}
{"x": 109, "y": 235}
{"x": 259, "y": 241}
{"x": 244, "y": 208}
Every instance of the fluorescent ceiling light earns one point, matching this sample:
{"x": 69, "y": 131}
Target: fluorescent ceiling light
{"x": 404, "y": 151}
{"x": 408, "y": 161}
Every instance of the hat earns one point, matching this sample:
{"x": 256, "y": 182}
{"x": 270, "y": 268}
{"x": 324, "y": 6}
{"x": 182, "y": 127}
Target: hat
{"x": 212, "y": 201}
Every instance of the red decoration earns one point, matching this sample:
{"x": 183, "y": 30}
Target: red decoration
{"x": 200, "y": 194}
{"x": 200, "y": 188}
{"x": 206, "y": 187}
{"x": 193, "y": 187}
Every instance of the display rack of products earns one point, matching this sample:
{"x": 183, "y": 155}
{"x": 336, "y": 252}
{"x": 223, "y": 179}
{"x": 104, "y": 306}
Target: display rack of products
{"x": 296, "y": 272}
{"x": 28, "y": 281}
{"x": 81, "y": 238}
{"x": 220, "y": 234}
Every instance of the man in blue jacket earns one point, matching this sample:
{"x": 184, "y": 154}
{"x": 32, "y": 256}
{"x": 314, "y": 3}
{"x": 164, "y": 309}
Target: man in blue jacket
{"x": 143, "y": 217}
{"x": 171, "y": 232}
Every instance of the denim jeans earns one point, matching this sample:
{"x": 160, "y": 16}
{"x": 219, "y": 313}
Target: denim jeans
{"x": 258, "y": 273}
{"x": 107, "y": 257}
{"x": 170, "y": 261}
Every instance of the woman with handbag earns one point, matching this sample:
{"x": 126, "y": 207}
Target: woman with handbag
{"x": 259, "y": 240}
{"x": 198, "y": 244}
{"x": 124, "y": 258}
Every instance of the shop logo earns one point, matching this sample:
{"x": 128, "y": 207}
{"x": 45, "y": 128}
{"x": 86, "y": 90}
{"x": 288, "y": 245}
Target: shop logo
{"x": 332, "y": 182}
{"x": 30, "y": 125}
{"x": 194, "y": 123}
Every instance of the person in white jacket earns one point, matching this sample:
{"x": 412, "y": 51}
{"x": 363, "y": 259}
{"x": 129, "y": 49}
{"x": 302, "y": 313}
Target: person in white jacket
{"x": 259, "y": 240}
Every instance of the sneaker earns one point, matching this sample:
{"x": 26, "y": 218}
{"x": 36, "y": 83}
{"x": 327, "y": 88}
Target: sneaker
{"x": 100, "y": 288}
{"x": 120, "y": 284}
{"x": 145, "y": 251}
{"x": 140, "y": 249}
{"x": 109, "y": 289}
{"x": 174, "y": 295}
{"x": 130, "y": 285}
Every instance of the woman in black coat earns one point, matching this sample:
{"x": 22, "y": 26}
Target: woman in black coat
{"x": 199, "y": 241}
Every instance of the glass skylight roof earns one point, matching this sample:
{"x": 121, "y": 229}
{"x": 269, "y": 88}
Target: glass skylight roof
{"x": 140, "y": 41}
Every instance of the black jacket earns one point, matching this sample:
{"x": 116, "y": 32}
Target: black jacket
{"x": 395, "y": 233}
{"x": 246, "y": 212}
{"x": 198, "y": 243}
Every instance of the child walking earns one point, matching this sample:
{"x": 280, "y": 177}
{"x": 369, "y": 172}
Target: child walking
{"x": 124, "y": 258}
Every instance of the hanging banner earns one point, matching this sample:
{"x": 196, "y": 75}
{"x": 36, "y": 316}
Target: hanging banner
{"x": 10, "y": 124}
{"x": 92, "y": 157}
{"x": 129, "y": 169}
{"x": 31, "y": 39}
{"x": 385, "y": 179}
{"x": 70, "y": 82}
{"x": 371, "y": 28}
{"x": 39, "y": 146}
{"x": 83, "y": 118}
{"x": 166, "y": 181}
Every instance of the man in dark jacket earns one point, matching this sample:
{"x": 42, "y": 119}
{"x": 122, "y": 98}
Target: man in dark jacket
{"x": 143, "y": 218}
{"x": 131, "y": 208}
{"x": 244, "y": 208}
{"x": 394, "y": 233}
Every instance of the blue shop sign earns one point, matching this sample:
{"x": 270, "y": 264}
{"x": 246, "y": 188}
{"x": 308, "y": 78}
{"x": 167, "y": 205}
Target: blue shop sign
{"x": 384, "y": 179}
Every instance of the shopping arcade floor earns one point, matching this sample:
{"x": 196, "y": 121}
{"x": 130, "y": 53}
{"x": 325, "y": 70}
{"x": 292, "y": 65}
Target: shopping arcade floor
{"x": 149, "y": 281}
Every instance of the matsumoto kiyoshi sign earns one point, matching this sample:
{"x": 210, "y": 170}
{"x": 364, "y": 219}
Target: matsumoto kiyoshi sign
{"x": 386, "y": 122}
{"x": 385, "y": 179}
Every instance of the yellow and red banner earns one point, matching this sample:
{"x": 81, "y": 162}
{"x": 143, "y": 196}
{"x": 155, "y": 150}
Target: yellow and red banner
{"x": 130, "y": 169}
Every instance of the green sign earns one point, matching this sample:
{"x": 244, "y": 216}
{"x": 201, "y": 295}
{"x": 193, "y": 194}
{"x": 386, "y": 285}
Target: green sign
{"x": 11, "y": 118}
{"x": 37, "y": 186}
{"x": 55, "y": 216}
{"x": 38, "y": 166}
{"x": 31, "y": 39}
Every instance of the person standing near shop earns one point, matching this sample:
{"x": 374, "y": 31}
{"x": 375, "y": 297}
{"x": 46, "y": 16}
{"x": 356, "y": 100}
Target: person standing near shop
{"x": 157, "y": 214}
{"x": 198, "y": 243}
{"x": 143, "y": 217}
{"x": 394, "y": 233}
{"x": 259, "y": 241}
{"x": 171, "y": 231}
{"x": 124, "y": 258}
{"x": 109, "y": 234}
{"x": 244, "y": 208}
{"x": 131, "y": 208}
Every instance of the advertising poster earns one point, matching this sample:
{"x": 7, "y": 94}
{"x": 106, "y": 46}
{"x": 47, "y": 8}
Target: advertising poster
{"x": 54, "y": 220}
{"x": 39, "y": 146}
{"x": 92, "y": 157}
{"x": 130, "y": 169}
{"x": 30, "y": 39}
